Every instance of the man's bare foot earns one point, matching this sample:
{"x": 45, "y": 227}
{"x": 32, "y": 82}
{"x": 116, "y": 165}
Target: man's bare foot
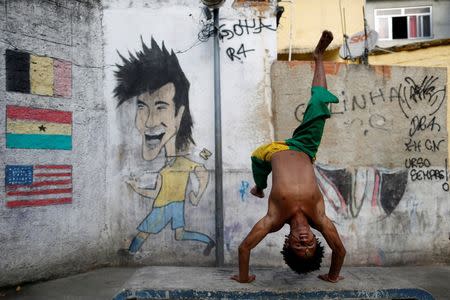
{"x": 323, "y": 43}
{"x": 255, "y": 191}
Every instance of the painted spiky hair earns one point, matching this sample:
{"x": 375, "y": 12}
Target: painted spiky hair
{"x": 147, "y": 71}
{"x": 302, "y": 265}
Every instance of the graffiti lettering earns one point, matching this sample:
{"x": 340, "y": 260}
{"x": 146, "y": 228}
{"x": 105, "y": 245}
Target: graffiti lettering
{"x": 405, "y": 94}
{"x": 298, "y": 113}
{"x": 355, "y": 102}
{"x": 424, "y": 92}
{"x": 333, "y": 110}
{"x": 374, "y": 96}
{"x": 416, "y": 146}
{"x": 446, "y": 170}
{"x": 246, "y": 27}
{"x": 394, "y": 94}
{"x": 432, "y": 174}
{"x": 432, "y": 145}
{"x": 421, "y": 124}
{"x": 412, "y": 145}
{"x": 445, "y": 186}
{"x": 417, "y": 163}
{"x": 233, "y": 54}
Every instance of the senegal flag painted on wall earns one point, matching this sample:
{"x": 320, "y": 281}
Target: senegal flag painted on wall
{"x": 35, "y": 128}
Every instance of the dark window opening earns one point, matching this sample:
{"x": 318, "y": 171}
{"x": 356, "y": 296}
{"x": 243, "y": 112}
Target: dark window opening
{"x": 399, "y": 28}
{"x": 426, "y": 26}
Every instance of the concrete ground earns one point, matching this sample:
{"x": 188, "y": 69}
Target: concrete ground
{"x": 416, "y": 282}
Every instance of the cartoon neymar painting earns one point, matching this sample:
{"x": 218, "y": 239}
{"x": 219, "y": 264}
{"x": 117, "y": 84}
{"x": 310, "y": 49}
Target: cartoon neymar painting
{"x": 154, "y": 80}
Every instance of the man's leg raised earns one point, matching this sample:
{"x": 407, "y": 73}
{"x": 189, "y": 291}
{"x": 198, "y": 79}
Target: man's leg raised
{"x": 319, "y": 78}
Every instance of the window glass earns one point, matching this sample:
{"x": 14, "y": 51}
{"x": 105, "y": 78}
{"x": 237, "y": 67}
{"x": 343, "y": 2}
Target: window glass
{"x": 386, "y": 12}
{"x": 412, "y": 26}
{"x": 383, "y": 28}
{"x": 417, "y": 10}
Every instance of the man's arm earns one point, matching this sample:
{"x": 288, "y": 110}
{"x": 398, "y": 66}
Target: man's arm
{"x": 151, "y": 193}
{"x": 203, "y": 176}
{"x": 329, "y": 232}
{"x": 256, "y": 235}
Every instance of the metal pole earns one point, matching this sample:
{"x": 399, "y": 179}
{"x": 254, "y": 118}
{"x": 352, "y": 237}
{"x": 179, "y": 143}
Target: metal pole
{"x": 290, "y": 29}
{"x": 366, "y": 47}
{"x": 218, "y": 145}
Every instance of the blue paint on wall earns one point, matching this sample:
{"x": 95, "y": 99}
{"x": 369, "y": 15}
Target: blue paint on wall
{"x": 243, "y": 189}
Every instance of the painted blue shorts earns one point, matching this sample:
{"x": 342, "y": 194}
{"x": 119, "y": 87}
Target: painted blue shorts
{"x": 159, "y": 217}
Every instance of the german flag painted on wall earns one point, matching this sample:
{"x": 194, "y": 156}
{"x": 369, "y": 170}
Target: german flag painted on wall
{"x": 40, "y": 75}
{"x": 35, "y": 128}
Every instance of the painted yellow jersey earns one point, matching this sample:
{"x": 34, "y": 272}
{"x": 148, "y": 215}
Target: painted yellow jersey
{"x": 174, "y": 179}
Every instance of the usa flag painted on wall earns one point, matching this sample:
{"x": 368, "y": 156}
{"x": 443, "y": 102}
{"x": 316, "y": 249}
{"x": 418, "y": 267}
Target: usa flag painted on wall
{"x": 38, "y": 185}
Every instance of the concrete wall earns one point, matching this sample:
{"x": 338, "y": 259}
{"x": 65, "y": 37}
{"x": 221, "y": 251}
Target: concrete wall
{"x": 428, "y": 57}
{"x": 68, "y": 65}
{"x": 248, "y": 49}
{"x": 383, "y": 163}
{"x": 61, "y": 112}
{"x": 52, "y": 114}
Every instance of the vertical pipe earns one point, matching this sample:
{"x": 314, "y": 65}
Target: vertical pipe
{"x": 366, "y": 45}
{"x": 291, "y": 29}
{"x": 218, "y": 146}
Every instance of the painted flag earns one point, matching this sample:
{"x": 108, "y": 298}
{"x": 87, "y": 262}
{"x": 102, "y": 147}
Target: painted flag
{"x": 36, "y": 128}
{"x": 39, "y": 75}
{"x": 38, "y": 185}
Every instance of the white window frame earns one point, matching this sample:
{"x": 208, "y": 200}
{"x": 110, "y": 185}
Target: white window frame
{"x": 403, "y": 14}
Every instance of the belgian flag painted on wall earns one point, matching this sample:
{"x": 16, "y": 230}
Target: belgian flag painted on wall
{"x": 40, "y": 75}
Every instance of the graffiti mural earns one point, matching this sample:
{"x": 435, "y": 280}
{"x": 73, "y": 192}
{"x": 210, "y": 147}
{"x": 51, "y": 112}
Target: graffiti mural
{"x": 38, "y": 185}
{"x": 154, "y": 80}
{"x": 348, "y": 190}
{"x": 205, "y": 154}
{"x": 37, "y": 128}
{"x": 418, "y": 101}
{"x": 386, "y": 140}
{"x": 244, "y": 190}
{"x": 39, "y": 75}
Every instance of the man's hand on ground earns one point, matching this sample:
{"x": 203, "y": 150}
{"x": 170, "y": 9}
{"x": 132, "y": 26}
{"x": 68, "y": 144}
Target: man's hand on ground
{"x": 249, "y": 279}
{"x": 326, "y": 277}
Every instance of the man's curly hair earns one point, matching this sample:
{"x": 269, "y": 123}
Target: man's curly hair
{"x": 302, "y": 265}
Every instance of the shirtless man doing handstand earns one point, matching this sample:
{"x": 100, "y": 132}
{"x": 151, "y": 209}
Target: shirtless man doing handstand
{"x": 295, "y": 198}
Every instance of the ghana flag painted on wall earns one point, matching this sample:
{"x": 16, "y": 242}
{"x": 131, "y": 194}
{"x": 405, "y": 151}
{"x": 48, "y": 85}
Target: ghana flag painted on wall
{"x": 39, "y": 75}
{"x": 35, "y": 128}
